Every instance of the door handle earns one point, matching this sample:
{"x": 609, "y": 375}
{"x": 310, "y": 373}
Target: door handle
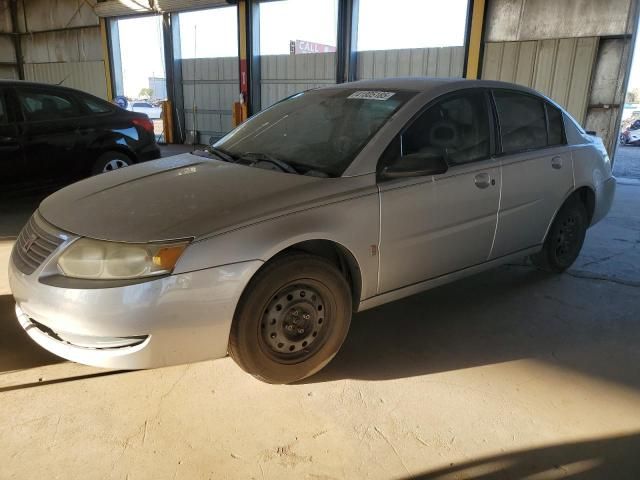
{"x": 556, "y": 162}
{"x": 483, "y": 180}
{"x": 7, "y": 139}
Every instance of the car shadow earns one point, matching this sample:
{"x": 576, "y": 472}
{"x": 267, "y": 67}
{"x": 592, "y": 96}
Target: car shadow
{"x": 612, "y": 457}
{"x": 17, "y": 350}
{"x": 510, "y": 313}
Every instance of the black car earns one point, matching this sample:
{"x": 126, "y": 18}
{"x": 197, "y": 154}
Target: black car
{"x": 51, "y": 134}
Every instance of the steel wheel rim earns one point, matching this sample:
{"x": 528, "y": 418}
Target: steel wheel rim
{"x": 114, "y": 164}
{"x": 566, "y": 240}
{"x": 295, "y": 322}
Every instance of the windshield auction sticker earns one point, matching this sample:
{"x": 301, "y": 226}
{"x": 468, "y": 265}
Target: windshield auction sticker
{"x": 371, "y": 95}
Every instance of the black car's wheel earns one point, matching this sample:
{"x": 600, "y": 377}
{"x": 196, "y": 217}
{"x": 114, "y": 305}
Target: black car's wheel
{"x": 565, "y": 238}
{"x": 292, "y": 319}
{"x": 110, "y": 161}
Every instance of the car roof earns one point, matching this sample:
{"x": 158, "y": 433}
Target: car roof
{"x": 426, "y": 84}
{"x": 27, "y": 83}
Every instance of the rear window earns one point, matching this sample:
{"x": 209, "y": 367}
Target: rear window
{"x": 522, "y": 119}
{"x": 95, "y": 105}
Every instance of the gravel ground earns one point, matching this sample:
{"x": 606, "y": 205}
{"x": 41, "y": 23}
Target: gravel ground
{"x": 627, "y": 162}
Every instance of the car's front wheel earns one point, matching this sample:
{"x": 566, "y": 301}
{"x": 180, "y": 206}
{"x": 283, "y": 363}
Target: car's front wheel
{"x": 565, "y": 238}
{"x": 292, "y": 319}
{"x": 110, "y": 161}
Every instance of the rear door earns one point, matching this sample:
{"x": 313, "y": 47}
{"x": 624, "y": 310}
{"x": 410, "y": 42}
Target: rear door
{"x": 52, "y": 118}
{"x": 11, "y": 155}
{"x": 431, "y": 226}
{"x": 537, "y": 169}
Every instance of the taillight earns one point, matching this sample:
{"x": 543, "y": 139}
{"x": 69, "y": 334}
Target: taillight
{"x": 144, "y": 122}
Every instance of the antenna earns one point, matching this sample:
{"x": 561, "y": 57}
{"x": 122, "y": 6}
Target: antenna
{"x": 195, "y": 61}
{"x": 63, "y": 80}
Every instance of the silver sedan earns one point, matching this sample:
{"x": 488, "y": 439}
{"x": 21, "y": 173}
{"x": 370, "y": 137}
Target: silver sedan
{"x": 330, "y": 202}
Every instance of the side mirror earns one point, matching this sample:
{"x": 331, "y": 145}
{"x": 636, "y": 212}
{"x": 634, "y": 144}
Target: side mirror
{"x": 415, "y": 165}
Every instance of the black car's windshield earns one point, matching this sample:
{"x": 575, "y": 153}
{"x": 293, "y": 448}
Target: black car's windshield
{"x": 316, "y": 131}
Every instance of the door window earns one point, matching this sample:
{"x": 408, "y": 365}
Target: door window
{"x": 38, "y": 105}
{"x": 522, "y": 119}
{"x": 556, "y": 127}
{"x": 456, "y": 129}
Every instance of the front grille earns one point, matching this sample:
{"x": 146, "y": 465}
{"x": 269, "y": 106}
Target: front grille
{"x": 34, "y": 245}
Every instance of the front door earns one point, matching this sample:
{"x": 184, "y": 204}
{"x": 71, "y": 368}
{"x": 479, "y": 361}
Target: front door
{"x": 11, "y": 157}
{"x": 52, "y": 118}
{"x": 431, "y": 226}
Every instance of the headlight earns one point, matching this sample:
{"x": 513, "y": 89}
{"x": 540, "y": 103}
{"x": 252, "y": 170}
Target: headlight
{"x": 100, "y": 260}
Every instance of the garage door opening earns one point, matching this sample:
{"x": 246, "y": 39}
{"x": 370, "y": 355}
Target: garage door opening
{"x": 627, "y": 156}
{"x": 139, "y": 70}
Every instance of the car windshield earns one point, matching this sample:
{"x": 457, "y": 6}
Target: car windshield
{"x": 316, "y": 131}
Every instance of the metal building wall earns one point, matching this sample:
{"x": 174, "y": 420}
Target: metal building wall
{"x": 284, "y": 75}
{"x": 61, "y": 42}
{"x": 560, "y": 68}
{"x": 575, "y": 51}
{"x": 8, "y": 66}
{"x": 429, "y": 62}
{"x": 215, "y": 83}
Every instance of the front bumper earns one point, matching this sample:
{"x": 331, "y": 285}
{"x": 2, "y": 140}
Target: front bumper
{"x": 176, "y": 319}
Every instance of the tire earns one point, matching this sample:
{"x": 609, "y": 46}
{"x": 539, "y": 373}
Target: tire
{"x": 291, "y": 319}
{"x": 565, "y": 238}
{"x": 110, "y": 161}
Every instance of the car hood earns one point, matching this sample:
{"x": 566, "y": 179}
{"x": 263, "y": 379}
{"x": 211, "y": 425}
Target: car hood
{"x": 185, "y": 196}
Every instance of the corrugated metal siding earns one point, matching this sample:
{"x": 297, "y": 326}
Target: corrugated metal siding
{"x": 216, "y": 87}
{"x": 77, "y": 45}
{"x": 284, "y": 75}
{"x": 7, "y": 52}
{"x": 559, "y": 68}
{"x": 86, "y": 76}
{"x": 8, "y": 72}
{"x": 423, "y": 62}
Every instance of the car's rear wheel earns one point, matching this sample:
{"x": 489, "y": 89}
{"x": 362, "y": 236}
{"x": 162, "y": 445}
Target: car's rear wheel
{"x": 565, "y": 238}
{"x": 292, "y": 319}
{"x": 110, "y": 161}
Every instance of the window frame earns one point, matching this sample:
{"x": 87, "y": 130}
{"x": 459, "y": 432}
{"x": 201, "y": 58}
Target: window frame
{"x": 384, "y": 159}
{"x": 499, "y": 148}
{"x": 563, "y": 135}
{"x": 47, "y": 91}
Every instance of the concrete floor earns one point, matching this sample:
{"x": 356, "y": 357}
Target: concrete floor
{"x": 510, "y": 373}
{"x": 627, "y": 162}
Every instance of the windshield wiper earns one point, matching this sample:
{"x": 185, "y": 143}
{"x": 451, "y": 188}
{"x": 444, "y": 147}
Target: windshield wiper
{"x": 222, "y": 154}
{"x": 265, "y": 157}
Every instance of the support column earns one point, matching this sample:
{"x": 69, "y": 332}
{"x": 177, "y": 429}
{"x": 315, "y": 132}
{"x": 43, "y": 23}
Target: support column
{"x": 347, "y": 40}
{"x": 17, "y": 45}
{"x": 173, "y": 73}
{"x": 475, "y": 36}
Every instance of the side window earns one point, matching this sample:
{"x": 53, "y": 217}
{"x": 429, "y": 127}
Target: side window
{"x": 456, "y": 129}
{"x": 38, "y": 105}
{"x": 95, "y": 105}
{"x": 556, "y": 127}
{"x": 522, "y": 121}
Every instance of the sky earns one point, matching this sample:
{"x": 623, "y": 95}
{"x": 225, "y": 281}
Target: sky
{"x": 214, "y": 33}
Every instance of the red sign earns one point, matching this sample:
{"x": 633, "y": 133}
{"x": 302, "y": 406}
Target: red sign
{"x": 298, "y": 47}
